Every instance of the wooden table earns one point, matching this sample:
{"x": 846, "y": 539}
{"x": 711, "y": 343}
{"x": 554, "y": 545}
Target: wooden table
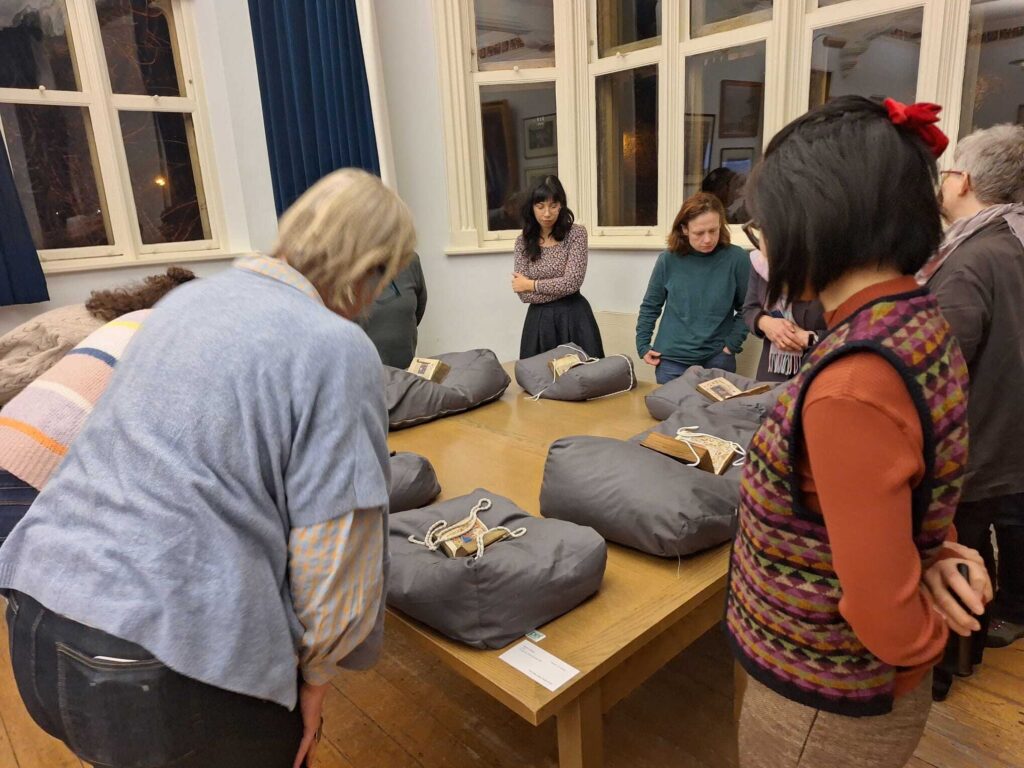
{"x": 648, "y": 608}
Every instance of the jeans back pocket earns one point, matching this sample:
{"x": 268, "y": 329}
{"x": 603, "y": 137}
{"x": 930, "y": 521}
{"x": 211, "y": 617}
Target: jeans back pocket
{"x": 127, "y": 713}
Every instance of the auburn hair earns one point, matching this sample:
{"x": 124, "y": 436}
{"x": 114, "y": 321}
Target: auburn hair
{"x": 697, "y": 205}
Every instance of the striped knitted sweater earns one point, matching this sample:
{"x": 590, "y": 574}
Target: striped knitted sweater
{"x": 782, "y": 613}
{"x": 39, "y": 424}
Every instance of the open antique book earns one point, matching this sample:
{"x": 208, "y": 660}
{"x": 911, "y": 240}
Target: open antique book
{"x": 722, "y": 389}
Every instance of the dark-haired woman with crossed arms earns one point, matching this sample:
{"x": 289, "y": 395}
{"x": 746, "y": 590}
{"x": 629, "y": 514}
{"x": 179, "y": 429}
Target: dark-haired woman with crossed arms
{"x": 550, "y": 264}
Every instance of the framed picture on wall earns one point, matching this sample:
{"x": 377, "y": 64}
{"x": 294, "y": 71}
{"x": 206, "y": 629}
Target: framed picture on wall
{"x": 737, "y": 159}
{"x": 698, "y": 138}
{"x": 740, "y": 107}
{"x": 535, "y": 176}
{"x": 821, "y": 87}
{"x": 501, "y": 160}
{"x": 541, "y": 136}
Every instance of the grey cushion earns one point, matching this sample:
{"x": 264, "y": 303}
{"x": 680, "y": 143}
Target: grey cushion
{"x": 476, "y": 377}
{"x": 518, "y": 584}
{"x": 637, "y": 497}
{"x": 607, "y": 376}
{"x": 413, "y": 482}
{"x": 668, "y": 398}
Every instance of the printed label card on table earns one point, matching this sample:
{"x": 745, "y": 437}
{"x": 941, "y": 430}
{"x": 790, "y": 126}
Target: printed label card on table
{"x": 539, "y": 665}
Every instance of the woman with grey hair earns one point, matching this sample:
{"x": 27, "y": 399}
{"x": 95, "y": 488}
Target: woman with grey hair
{"x": 977, "y": 275}
{"x": 213, "y": 546}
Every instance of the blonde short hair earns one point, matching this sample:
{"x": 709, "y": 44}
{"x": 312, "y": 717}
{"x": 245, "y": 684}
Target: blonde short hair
{"x": 342, "y": 228}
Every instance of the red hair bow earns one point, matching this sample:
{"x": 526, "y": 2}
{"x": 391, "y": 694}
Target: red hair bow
{"x": 921, "y": 119}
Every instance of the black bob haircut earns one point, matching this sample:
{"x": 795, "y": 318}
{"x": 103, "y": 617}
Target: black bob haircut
{"x": 550, "y": 188}
{"x": 843, "y": 188}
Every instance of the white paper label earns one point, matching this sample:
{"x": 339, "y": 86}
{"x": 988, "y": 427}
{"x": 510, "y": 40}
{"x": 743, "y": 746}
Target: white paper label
{"x": 539, "y": 665}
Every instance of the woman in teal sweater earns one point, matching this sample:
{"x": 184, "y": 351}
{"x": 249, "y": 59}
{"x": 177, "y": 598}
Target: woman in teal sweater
{"x": 701, "y": 283}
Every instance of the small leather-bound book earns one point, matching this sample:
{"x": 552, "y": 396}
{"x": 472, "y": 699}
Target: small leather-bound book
{"x": 675, "y": 449}
{"x": 429, "y": 369}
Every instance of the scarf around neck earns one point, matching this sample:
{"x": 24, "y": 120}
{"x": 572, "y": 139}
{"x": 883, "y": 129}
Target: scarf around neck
{"x": 963, "y": 229}
{"x": 780, "y": 361}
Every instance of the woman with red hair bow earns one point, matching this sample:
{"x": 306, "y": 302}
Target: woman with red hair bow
{"x": 839, "y": 600}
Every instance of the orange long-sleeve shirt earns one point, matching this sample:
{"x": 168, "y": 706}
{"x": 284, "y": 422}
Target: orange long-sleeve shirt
{"x": 863, "y": 455}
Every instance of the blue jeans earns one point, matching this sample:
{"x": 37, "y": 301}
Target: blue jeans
{"x": 15, "y": 499}
{"x": 667, "y": 370}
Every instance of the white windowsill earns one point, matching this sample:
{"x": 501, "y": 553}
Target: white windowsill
{"x": 68, "y": 266}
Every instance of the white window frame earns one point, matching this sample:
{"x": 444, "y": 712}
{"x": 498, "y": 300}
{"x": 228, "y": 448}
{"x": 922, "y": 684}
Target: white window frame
{"x": 788, "y": 38}
{"x": 114, "y": 181}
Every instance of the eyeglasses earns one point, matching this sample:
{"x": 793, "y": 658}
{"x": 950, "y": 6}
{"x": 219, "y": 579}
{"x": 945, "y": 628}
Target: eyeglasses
{"x": 943, "y": 175}
{"x": 753, "y": 232}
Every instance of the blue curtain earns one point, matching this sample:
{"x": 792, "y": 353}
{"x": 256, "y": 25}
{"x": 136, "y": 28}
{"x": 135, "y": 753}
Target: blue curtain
{"x": 316, "y": 103}
{"x": 21, "y": 275}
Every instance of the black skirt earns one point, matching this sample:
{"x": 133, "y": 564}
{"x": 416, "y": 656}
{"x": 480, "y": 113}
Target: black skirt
{"x": 568, "y": 320}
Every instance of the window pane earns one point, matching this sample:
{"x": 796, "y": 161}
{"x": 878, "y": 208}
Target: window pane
{"x": 515, "y": 33}
{"x": 627, "y": 25}
{"x": 166, "y": 182}
{"x": 994, "y": 72}
{"x": 873, "y": 57}
{"x": 710, "y": 16}
{"x": 627, "y": 148}
{"x": 56, "y": 173}
{"x": 723, "y": 128}
{"x": 35, "y": 46}
{"x": 139, "y": 42}
{"x": 520, "y": 147}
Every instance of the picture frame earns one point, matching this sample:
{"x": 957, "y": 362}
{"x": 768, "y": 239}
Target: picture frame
{"x": 534, "y": 176}
{"x": 821, "y": 87}
{"x": 501, "y": 158}
{"x": 698, "y": 140}
{"x": 740, "y": 107}
{"x": 737, "y": 159}
{"x": 540, "y": 136}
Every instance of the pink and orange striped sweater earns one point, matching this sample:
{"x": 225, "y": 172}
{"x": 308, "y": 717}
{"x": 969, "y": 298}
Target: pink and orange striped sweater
{"x": 40, "y": 423}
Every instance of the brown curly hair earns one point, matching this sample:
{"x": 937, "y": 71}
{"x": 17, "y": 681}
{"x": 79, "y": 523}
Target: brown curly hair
{"x": 111, "y": 304}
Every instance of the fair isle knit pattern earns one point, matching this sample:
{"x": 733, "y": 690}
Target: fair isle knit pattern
{"x": 39, "y": 424}
{"x": 782, "y": 610}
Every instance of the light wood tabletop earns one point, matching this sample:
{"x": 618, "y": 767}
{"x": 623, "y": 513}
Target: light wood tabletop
{"x": 648, "y": 608}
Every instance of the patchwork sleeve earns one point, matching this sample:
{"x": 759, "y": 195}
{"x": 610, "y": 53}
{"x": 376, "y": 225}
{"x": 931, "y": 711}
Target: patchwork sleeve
{"x": 336, "y": 575}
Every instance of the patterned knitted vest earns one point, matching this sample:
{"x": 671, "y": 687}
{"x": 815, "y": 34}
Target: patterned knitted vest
{"x": 782, "y": 611}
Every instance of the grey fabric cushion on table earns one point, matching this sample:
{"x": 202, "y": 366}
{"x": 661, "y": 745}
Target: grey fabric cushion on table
{"x": 518, "y": 584}
{"x": 413, "y": 482}
{"x": 668, "y": 398}
{"x": 607, "y": 376}
{"x": 637, "y": 497}
{"x": 476, "y": 377}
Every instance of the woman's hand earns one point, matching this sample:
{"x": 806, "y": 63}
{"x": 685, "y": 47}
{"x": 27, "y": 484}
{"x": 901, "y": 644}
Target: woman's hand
{"x": 652, "y": 357}
{"x": 311, "y": 704}
{"x": 522, "y": 284}
{"x": 945, "y": 584}
{"x": 784, "y": 334}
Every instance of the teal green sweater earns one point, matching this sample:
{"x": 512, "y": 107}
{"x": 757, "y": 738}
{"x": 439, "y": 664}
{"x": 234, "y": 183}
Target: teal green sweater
{"x": 702, "y": 295}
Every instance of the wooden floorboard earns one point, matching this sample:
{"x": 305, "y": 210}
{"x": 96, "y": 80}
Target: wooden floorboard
{"x": 412, "y": 712}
